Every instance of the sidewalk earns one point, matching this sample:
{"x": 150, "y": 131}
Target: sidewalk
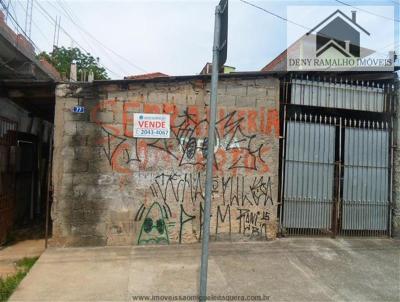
{"x": 295, "y": 269}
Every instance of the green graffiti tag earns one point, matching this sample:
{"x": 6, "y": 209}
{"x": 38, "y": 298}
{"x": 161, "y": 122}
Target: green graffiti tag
{"x": 154, "y": 229}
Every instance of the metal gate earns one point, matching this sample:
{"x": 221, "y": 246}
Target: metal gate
{"x": 336, "y": 176}
{"x": 309, "y": 173}
{"x": 366, "y": 165}
{"x": 336, "y": 164}
{"x": 7, "y": 175}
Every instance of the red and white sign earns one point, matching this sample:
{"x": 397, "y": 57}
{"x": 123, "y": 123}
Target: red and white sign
{"x": 148, "y": 125}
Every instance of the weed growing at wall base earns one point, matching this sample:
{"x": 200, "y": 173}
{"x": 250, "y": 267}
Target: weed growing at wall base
{"x": 9, "y": 284}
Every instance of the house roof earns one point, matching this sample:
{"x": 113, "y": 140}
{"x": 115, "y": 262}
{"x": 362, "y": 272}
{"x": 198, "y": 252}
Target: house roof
{"x": 272, "y": 65}
{"x": 147, "y": 76}
{"x": 123, "y": 84}
{"x": 343, "y": 15}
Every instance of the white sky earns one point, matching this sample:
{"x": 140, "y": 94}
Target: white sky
{"x": 169, "y": 36}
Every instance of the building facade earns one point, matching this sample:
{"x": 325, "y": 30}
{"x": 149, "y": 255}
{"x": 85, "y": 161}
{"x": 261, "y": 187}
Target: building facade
{"x": 296, "y": 155}
{"x": 111, "y": 188}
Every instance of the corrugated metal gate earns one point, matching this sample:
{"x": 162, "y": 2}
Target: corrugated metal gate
{"x": 366, "y": 165}
{"x": 309, "y": 173}
{"x": 336, "y": 168}
{"x": 7, "y": 175}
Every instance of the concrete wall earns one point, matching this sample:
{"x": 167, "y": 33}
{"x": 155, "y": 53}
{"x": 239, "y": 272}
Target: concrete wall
{"x": 113, "y": 189}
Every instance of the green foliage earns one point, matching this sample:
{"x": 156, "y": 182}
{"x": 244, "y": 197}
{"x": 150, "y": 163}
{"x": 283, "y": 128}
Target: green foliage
{"x": 26, "y": 263}
{"x": 9, "y": 284}
{"x": 61, "y": 58}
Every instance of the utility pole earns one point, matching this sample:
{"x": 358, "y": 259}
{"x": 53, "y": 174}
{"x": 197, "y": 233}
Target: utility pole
{"x": 219, "y": 59}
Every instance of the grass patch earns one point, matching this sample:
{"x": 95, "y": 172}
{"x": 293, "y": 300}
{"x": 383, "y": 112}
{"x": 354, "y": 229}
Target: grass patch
{"x": 26, "y": 263}
{"x": 9, "y": 284}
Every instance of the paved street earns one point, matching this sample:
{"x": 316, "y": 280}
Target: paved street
{"x": 295, "y": 269}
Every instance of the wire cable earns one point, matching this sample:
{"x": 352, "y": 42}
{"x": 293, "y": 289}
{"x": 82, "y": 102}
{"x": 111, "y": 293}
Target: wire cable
{"x": 18, "y": 26}
{"x": 367, "y": 11}
{"x": 45, "y": 13}
{"x": 33, "y": 21}
{"x": 283, "y": 18}
{"x": 90, "y": 45}
{"x": 102, "y": 44}
{"x": 275, "y": 15}
{"x": 290, "y": 21}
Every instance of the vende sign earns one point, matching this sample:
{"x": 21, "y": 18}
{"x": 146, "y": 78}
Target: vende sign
{"x": 148, "y": 125}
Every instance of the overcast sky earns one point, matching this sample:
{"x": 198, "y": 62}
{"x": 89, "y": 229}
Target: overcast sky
{"x": 169, "y": 36}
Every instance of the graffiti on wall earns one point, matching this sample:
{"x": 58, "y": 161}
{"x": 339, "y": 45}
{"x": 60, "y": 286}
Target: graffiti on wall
{"x": 154, "y": 229}
{"x": 243, "y": 208}
{"x": 172, "y": 210}
{"x": 237, "y": 146}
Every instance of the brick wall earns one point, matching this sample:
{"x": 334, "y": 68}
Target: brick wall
{"x": 113, "y": 189}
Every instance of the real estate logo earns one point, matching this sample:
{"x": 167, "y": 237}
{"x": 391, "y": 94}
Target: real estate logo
{"x": 340, "y": 41}
{"x": 341, "y": 35}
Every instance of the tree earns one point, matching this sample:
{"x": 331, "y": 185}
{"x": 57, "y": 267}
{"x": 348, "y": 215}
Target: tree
{"x": 61, "y": 58}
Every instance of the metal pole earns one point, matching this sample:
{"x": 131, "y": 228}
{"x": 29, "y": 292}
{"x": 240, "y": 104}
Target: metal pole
{"x": 58, "y": 30}
{"x": 55, "y": 33}
{"x": 7, "y": 9}
{"x": 210, "y": 157}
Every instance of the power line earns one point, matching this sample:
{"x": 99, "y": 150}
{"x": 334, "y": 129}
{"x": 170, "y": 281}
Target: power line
{"x": 275, "y": 15}
{"x": 13, "y": 8}
{"x": 367, "y": 11}
{"x": 290, "y": 21}
{"x": 45, "y": 13}
{"x": 83, "y": 37}
{"x": 8, "y": 12}
{"x": 64, "y": 9}
{"x": 18, "y": 26}
{"x": 100, "y": 43}
{"x": 283, "y": 18}
{"x": 71, "y": 16}
{"x": 33, "y": 22}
